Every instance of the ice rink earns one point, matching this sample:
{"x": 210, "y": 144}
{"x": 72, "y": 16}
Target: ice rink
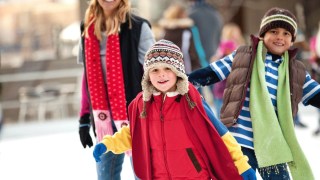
{"x": 52, "y": 150}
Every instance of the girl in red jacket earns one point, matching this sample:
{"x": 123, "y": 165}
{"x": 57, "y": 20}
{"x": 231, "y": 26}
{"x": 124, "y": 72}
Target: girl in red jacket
{"x": 173, "y": 133}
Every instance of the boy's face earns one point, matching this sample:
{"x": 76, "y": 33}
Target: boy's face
{"x": 163, "y": 79}
{"x": 277, "y": 40}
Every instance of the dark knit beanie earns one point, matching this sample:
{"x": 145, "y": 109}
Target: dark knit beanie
{"x": 278, "y": 18}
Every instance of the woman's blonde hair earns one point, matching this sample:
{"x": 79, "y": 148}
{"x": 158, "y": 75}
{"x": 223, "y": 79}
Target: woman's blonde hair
{"x": 111, "y": 24}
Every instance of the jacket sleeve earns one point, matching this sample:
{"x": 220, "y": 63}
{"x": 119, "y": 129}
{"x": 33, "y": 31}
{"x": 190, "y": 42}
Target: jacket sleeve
{"x": 315, "y": 101}
{"x": 203, "y": 77}
{"x": 239, "y": 159}
{"x": 85, "y": 105}
{"x": 145, "y": 42}
{"x": 119, "y": 142}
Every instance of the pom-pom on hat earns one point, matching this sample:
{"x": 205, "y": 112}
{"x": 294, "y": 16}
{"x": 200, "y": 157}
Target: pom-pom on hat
{"x": 279, "y": 18}
{"x": 164, "y": 53}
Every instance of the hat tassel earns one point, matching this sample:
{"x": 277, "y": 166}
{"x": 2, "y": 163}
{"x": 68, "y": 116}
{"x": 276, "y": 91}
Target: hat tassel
{"x": 144, "y": 111}
{"x": 190, "y": 103}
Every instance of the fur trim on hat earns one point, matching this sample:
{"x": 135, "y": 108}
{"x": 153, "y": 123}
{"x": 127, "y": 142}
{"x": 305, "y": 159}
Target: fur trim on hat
{"x": 279, "y": 18}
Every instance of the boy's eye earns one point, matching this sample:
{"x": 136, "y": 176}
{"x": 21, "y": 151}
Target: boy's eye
{"x": 287, "y": 33}
{"x": 273, "y": 31}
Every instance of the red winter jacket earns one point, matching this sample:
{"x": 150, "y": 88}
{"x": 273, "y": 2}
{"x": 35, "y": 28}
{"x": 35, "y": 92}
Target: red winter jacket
{"x": 172, "y": 152}
{"x": 176, "y": 142}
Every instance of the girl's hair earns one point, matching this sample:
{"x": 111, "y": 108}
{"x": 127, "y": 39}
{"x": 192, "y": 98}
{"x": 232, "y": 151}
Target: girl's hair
{"x": 111, "y": 24}
{"x": 232, "y": 31}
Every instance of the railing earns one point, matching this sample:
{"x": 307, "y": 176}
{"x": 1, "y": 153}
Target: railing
{"x": 43, "y": 75}
{"x": 45, "y": 97}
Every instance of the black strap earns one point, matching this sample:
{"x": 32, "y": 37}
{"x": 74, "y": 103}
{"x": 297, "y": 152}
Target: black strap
{"x": 194, "y": 159}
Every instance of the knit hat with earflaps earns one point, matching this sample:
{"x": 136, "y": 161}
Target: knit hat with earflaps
{"x": 164, "y": 53}
{"x": 279, "y": 18}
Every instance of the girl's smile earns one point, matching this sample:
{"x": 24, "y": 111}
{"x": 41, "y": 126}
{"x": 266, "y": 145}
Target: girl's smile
{"x": 163, "y": 79}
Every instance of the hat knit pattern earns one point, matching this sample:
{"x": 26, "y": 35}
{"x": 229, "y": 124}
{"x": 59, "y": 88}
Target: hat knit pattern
{"x": 279, "y": 18}
{"x": 164, "y": 53}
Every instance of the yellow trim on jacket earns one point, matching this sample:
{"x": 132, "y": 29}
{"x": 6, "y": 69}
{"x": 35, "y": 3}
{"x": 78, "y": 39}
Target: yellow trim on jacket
{"x": 239, "y": 159}
{"x": 119, "y": 142}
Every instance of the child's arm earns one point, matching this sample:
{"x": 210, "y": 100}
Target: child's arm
{"x": 117, "y": 143}
{"x": 315, "y": 100}
{"x": 240, "y": 160}
{"x": 311, "y": 92}
{"x": 215, "y": 72}
{"x": 202, "y": 77}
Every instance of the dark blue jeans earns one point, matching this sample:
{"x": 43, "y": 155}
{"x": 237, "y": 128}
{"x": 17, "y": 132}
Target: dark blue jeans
{"x": 110, "y": 166}
{"x": 276, "y": 172}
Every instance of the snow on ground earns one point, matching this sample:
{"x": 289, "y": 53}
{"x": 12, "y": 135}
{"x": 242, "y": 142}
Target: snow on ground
{"x": 52, "y": 150}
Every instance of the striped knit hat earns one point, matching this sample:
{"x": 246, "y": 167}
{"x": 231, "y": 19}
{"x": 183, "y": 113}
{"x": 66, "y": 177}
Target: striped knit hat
{"x": 164, "y": 53}
{"x": 279, "y": 18}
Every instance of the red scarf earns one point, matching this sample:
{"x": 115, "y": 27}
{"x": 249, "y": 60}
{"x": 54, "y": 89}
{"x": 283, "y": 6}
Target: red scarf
{"x": 107, "y": 99}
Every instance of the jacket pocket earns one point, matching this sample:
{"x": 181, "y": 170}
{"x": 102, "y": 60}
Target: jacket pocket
{"x": 194, "y": 160}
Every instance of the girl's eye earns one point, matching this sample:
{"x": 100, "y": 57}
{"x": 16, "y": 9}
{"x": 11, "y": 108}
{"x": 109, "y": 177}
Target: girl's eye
{"x": 167, "y": 69}
{"x": 154, "y": 70}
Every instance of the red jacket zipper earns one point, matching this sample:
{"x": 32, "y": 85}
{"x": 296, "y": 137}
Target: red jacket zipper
{"x": 164, "y": 141}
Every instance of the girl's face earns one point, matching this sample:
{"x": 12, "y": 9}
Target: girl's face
{"x": 163, "y": 79}
{"x": 109, "y": 6}
{"x": 277, "y": 40}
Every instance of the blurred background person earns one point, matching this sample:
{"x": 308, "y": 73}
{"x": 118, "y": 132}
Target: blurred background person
{"x": 209, "y": 22}
{"x": 231, "y": 39}
{"x": 1, "y": 111}
{"x": 112, "y": 50}
{"x": 179, "y": 28}
{"x": 315, "y": 66}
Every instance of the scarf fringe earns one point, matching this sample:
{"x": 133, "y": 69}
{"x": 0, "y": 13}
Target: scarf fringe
{"x": 266, "y": 171}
